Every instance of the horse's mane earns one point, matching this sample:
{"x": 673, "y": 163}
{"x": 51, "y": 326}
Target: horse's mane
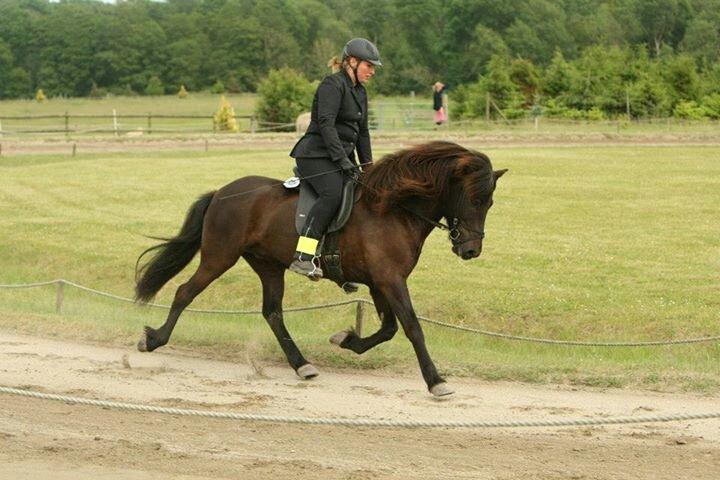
{"x": 426, "y": 171}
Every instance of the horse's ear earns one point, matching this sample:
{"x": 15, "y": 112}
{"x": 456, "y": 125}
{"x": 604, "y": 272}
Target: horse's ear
{"x": 499, "y": 173}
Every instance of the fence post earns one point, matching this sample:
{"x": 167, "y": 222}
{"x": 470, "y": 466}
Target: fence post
{"x": 359, "y": 314}
{"x": 487, "y": 106}
{"x": 446, "y": 106}
{"x": 59, "y": 296}
{"x": 67, "y": 124}
{"x": 74, "y": 148}
{"x": 115, "y": 124}
{"x": 252, "y": 124}
{"x": 149, "y": 123}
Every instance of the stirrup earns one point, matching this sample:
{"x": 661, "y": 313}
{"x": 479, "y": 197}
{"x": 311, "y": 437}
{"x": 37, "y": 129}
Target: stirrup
{"x": 301, "y": 267}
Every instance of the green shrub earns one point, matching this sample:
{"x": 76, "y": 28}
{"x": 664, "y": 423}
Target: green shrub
{"x": 690, "y": 110}
{"x": 283, "y": 95}
{"x": 154, "y": 86}
{"x": 97, "y": 92}
{"x": 595, "y": 114}
{"x": 218, "y": 87}
{"x": 711, "y": 103}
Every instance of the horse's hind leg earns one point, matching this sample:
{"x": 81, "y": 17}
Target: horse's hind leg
{"x": 185, "y": 294}
{"x": 350, "y": 340}
{"x": 272, "y": 276}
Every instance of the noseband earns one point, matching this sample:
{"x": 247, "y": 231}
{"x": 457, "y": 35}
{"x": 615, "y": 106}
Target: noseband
{"x": 454, "y": 232}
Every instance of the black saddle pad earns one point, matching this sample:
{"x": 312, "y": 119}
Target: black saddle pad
{"x": 308, "y": 197}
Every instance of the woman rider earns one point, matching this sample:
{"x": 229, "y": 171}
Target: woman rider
{"x": 338, "y": 127}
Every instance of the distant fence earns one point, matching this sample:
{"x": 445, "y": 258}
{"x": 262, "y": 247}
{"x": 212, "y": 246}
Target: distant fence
{"x": 383, "y": 116}
{"x": 115, "y": 124}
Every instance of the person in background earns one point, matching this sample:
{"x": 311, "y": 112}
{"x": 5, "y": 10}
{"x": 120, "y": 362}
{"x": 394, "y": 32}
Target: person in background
{"x": 338, "y": 127}
{"x": 440, "y": 116}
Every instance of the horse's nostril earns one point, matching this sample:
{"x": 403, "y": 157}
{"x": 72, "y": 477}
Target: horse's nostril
{"x": 469, "y": 254}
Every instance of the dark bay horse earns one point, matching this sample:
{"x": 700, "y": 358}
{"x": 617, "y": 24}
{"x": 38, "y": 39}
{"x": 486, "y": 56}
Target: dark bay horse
{"x": 403, "y": 197}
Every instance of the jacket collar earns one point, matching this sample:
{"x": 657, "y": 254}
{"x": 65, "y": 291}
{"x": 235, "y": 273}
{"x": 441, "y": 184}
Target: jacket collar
{"x": 353, "y": 88}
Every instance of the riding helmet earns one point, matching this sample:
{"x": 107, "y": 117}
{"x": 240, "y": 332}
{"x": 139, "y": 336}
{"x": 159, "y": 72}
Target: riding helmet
{"x": 362, "y": 49}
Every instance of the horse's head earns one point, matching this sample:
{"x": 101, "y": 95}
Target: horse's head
{"x": 470, "y": 200}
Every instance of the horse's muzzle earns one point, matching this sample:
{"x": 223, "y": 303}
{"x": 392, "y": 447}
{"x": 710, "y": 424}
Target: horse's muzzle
{"x": 467, "y": 253}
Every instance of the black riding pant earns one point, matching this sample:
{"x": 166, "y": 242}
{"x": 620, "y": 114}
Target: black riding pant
{"x": 326, "y": 178}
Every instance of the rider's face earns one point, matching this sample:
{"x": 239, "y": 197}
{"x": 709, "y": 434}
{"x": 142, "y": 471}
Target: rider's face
{"x": 365, "y": 70}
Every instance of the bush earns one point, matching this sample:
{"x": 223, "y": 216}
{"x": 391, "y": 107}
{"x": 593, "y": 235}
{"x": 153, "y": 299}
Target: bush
{"x": 711, "y": 103}
{"x": 224, "y": 118}
{"x": 690, "y": 110}
{"x": 97, "y": 92}
{"x": 284, "y": 94}
{"x": 154, "y": 87}
{"x": 218, "y": 87}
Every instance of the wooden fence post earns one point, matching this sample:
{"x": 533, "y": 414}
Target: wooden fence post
{"x": 149, "y": 123}
{"x": 67, "y": 124}
{"x": 359, "y": 314}
{"x": 487, "y": 106}
{"x": 59, "y": 296}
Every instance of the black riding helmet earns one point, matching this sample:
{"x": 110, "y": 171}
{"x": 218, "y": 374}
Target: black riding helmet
{"x": 362, "y": 49}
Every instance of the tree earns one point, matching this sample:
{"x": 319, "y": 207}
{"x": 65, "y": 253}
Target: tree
{"x": 662, "y": 21}
{"x": 558, "y": 76}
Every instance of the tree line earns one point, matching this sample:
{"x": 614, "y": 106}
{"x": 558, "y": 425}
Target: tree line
{"x": 562, "y": 57}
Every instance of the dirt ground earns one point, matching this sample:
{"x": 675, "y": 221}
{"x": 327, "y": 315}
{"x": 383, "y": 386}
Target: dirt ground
{"x": 51, "y": 439}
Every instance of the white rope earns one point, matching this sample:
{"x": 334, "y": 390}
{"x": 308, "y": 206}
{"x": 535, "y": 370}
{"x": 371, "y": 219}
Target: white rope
{"x": 360, "y": 422}
{"x": 575, "y": 343}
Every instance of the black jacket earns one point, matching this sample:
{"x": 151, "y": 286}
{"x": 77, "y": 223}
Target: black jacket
{"x": 338, "y": 122}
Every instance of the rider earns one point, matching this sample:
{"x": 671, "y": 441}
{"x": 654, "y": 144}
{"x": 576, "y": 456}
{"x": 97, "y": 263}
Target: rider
{"x": 338, "y": 126}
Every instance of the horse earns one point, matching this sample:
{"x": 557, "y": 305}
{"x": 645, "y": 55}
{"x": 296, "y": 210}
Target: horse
{"x": 402, "y": 198}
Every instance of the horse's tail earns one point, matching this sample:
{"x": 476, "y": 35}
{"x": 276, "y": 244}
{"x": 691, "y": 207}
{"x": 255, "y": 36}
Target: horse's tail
{"x": 173, "y": 254}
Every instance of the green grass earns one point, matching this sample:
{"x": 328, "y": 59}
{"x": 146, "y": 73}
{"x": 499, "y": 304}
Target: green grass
{"x": 607, "y": 244}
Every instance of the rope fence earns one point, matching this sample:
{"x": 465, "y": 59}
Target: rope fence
{"x": 360, "y": 312}
{"x": 351, "y": 422}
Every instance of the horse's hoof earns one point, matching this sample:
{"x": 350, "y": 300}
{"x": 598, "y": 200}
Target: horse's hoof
{"x": 142, "y": 344}
{"x": 339, "y": 337}
{"x": 350, "y": 287}
{"x": 307, "y": 371}
{"x": 441, "y": 390}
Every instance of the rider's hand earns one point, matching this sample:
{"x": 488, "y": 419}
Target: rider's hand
{"x": 346, "y": 165}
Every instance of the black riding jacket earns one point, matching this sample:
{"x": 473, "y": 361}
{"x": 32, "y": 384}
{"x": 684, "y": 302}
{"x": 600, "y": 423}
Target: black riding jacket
{"x": 338, "y": 122}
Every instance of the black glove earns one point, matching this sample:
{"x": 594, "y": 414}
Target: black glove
{"x": 347, "y": 166}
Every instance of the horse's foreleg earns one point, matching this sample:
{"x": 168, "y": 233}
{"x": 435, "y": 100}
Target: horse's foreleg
{"x": 350, "y": 340}
{"x": 184, "y": 295}
{"x": 272, "y": 276}
{"x": 399, "y": 300}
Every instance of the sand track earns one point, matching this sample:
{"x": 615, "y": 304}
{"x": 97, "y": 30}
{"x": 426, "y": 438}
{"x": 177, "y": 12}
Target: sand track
{"x": 43, "y": 439}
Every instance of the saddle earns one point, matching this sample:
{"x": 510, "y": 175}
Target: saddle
{"x": 329, "y": 244}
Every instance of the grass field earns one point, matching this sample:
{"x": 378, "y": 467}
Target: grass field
{"x": 607, "y": 244}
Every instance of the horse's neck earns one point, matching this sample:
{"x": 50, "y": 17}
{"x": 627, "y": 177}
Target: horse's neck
{"x": 419, "y": 212}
